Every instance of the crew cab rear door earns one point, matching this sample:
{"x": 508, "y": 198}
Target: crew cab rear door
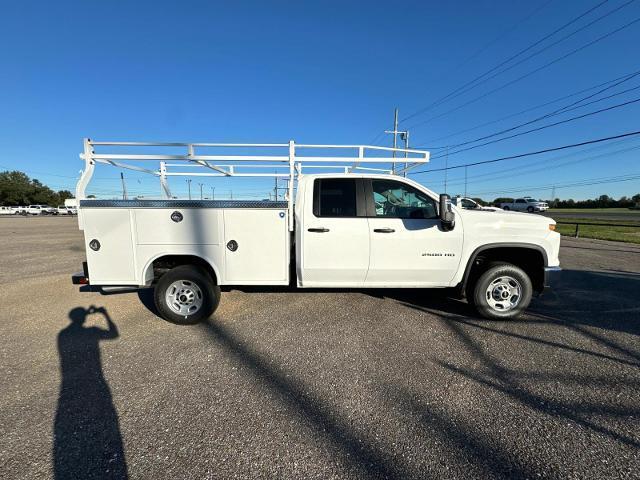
{"x": 408, "y": 245}
{"x": 334, "y": 250}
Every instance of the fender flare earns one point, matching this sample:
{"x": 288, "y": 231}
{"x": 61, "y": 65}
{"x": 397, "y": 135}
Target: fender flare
{"x": 472, "y": 258}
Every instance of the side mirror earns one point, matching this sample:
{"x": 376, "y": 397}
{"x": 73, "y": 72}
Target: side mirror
{"x": 447, "y": 217}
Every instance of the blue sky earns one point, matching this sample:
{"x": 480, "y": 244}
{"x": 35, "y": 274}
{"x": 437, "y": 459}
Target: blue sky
{"x": 316, "y": 72}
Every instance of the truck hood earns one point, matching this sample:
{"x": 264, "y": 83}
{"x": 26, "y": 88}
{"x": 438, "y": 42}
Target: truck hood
{"x": 503, "y": 216}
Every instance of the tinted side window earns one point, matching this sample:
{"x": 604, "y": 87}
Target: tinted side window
{"x": 399, "y": 200}
{"x": 521, "y": 200}
{"x": 334, "y": 197}
{"x": 468, "y": 204}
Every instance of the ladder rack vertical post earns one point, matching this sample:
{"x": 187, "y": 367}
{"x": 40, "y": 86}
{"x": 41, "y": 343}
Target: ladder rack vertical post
{"x": 163, "y": 181}
{"x": 292, "y": 160}
{"x": 85, "y": 177}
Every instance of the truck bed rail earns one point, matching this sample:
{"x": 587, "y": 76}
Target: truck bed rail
{"x": 182, "y": 204}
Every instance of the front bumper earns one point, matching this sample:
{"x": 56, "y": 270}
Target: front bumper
{"x": 551, "y": 277}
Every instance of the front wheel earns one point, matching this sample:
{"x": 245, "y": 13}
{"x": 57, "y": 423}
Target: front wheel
{"x": 506, "y": 208}
{"x": 530, "y": 209}
{"x": 502, "y": 292}
{"x": 185, "y": 295}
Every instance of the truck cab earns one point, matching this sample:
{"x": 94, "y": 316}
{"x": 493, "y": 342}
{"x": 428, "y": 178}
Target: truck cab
{"x": 372, "y": 231}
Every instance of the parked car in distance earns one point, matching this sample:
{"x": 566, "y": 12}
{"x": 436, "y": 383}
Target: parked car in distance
{"x": 470, "y": 204}
{"x": 8, "y": 211}
{"x": 526, "y": 204}
{"x": 63, "y": 210}
{"x": 41, "y": 210}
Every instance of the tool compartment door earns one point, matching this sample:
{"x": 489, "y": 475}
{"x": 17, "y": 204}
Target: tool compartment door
{"x": 113, "y": 261}
{"x": 256, "y": 246}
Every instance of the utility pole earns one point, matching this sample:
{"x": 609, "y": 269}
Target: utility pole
{"x": 275, "y": 186}
{"x": 231, "y": 194}
{"x": 395, "y": 130}
{"x": 124, "y": 187}
{"x": 395, "y": 137}
{"x": 189, "y": 185}
{"x": 465, "y": 181}
{"x": 201, "y": 184}
{"x": 213, "y": 193}
{"x": 405, "y": 136}
{"x": 446, "y": 169}
{"x": 553, "y": 196}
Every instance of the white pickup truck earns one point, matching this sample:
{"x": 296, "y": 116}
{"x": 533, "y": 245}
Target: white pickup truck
{"x": 41, "y": 210}
{"x": 471, "y": 204}
{"x": 525, "y": 204}
{"x": 350, "y": 229}
{"x": 8, "y": 211}
{"x": 64, "y": 210}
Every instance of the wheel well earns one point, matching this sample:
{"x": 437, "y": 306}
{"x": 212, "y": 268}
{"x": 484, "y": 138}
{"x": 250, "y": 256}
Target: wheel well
{"x": 528, "y": 259}
{"x": 163, "y": 264}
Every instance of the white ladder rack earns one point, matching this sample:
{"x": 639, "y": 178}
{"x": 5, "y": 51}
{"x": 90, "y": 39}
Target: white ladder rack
{"x": 288, "y": 158}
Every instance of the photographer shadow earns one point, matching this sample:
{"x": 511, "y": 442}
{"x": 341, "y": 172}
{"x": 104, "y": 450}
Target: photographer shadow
{"x": 87, "y": 441}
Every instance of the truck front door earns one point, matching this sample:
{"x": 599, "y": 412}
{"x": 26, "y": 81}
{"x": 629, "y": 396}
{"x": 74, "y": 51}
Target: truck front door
{"x": 408, "y": 245}
{"x": 334, "y": 250}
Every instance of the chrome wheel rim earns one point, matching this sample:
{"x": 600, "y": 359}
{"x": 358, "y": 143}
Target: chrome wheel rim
{"x": 504, "y": 293}
{"x": 184, "y": 297}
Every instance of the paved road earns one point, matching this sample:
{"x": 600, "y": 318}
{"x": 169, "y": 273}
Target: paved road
{"x": 316, "y": 385}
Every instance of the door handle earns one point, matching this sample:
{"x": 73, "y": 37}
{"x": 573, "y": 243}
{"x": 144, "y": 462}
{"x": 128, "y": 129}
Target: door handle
{"x": 318, "y": 230}
{"x": 383, "y": 230}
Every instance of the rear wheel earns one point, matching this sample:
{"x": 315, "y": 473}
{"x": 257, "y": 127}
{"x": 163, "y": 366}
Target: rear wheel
{"x": 503, "y": 292}
{"x": 506, "y": 208}
{"x": 186, "y": 294}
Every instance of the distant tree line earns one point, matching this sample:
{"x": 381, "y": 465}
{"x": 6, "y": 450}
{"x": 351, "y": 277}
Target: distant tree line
{"x": 17, "y": 189}
{"x": 603, "y": 201}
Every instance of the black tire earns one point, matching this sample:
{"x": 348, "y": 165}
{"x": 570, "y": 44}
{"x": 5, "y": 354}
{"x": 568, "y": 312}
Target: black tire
{"x": 506, "y": 208}
{"x": 192, "y": 275}
{"x": 530, "y": 209}
{"x": 494, "y": 272}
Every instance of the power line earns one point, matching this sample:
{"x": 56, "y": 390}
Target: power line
{"x": 534, "y": 54}
{"x": 546, "y": 168}
{"x": 543, "y": 127}
{"x": 532, "y": 72}
{"x": 535, "y": 107}
{"x": 581, "y": 183}
{"x": 439, "y": 101}
{"x": 501, "y": 36}
{"x": 551, "y": 114}
{"x": 538, "y": 152}
{"x": 481, "y": 50}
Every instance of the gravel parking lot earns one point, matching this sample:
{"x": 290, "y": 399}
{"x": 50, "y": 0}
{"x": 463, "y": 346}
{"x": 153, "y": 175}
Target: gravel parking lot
{"x": 397, "y": 384}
